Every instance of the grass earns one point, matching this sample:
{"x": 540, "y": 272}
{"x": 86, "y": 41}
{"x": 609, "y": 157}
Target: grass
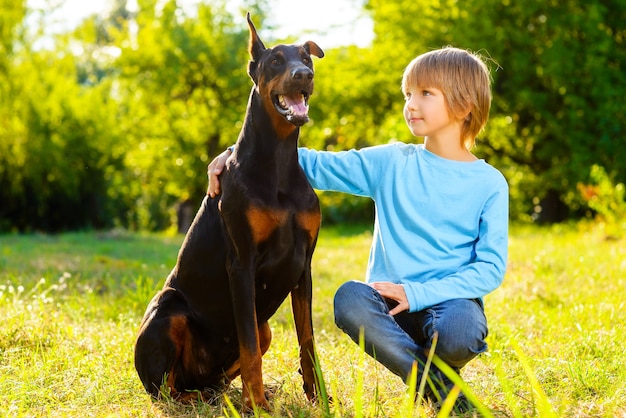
{"x": 70, "y": 306}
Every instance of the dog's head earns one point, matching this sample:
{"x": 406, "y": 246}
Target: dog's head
{"x": 283, "y": 76}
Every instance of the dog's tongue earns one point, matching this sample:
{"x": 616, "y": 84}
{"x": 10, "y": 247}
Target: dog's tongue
{"x": 297, "y": 104}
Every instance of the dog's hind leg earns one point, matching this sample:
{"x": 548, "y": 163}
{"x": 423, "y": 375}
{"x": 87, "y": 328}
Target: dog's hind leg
{"x": 155, "y": 356}
{"x": 165, "y": 357}
{"x": 265, "y": 337}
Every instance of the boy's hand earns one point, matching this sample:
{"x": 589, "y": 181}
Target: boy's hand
{"x": 214, "y": 170}
{"x": 395, "y": 292}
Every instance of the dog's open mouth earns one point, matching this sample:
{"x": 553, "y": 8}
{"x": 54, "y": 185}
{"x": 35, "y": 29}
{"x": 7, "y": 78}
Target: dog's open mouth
{"x": 294, "y": 107}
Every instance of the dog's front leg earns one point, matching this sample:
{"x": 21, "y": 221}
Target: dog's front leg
{"x": 301, "y": 307}
{"x": 250, "y": 355}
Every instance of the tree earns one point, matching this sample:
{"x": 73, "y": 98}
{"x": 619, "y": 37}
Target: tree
{"x": 115, "y": 124}
{"x": 55, "y": 141}
{"x": 182, "y": 91}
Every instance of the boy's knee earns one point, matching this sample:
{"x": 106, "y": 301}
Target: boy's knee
{"x": 353, "y": 304}
{"x": 343, "y": 302}
{"x": 461, "y": 329}
{"x": 456, "y": 349}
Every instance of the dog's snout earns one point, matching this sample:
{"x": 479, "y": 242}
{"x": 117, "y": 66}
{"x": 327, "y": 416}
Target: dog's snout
{"x": 302, "y": 73}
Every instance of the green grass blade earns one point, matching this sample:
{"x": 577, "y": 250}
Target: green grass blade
{"x": 358, "y": 388}
{"x": 544, "y": 408}
{"x": 456, "y": 379}
{"x": 231, "y": 409}
{"x": 409, "y": 399}
{"x": 322, "y": 393}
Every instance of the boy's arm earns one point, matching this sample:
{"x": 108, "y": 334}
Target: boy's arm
{"x": 344, "y": 171}
{"x": 354, "y": 171}
{"x": 480, "y": 277}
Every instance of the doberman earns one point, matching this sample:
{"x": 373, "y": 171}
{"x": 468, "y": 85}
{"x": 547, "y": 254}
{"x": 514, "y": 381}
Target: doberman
{"x": 245, "y": 251}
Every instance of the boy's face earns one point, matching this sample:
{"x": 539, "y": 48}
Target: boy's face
{"x": 426, "y": 113}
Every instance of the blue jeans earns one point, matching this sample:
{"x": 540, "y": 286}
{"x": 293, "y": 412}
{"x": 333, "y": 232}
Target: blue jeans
{"x": 398, "y": 341}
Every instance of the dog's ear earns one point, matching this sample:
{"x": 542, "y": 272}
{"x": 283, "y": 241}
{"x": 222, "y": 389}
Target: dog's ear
{"x": 255, "y": 45}
{"x": 255, "y": 48}
{"x": 252, "y": 71}
{"x": 313, "y": 49}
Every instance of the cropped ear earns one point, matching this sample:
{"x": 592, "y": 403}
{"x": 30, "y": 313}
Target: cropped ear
{"x": 252, "y": 65}
{"x": 255, "y": 45}
{"x": 313, "y": 49}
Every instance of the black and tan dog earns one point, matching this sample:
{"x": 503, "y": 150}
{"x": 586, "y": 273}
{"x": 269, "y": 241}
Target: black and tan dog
{"x": 245, "y": 251}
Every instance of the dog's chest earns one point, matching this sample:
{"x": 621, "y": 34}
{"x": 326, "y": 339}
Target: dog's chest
{"x": 284, "y": 224}
{"x": 281, "y": 208}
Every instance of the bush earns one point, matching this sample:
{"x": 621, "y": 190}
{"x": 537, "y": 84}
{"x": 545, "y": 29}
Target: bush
{"x": 606, "y": 199}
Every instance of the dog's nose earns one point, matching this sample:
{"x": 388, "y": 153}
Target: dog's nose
{"x": 302, "y": 73}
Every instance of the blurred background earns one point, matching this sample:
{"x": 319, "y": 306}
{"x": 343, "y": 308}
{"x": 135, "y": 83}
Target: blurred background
{"x": 110, "y": 110}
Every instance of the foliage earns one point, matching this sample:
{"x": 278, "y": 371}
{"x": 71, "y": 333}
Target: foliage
{"x": 117, "y": 126}
{"x": 56, "y": 148}
{"x": 341, "y": 208}
{"x": 71, "y": 305}
{"x": 115, "y": 122}
{"x": 607, "y": 200}
{"x": 11, "y": 16}
{"x": 183, "y": 88}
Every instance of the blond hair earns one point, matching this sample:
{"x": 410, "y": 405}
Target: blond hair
{"x": 465, "y": 81}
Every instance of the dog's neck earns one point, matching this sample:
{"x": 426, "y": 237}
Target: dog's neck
{"x": 264, "y": 136}
{"x": 262, "y": 152}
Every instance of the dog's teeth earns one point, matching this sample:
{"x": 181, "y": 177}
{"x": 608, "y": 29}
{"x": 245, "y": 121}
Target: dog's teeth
{"x": 281, "y": 100}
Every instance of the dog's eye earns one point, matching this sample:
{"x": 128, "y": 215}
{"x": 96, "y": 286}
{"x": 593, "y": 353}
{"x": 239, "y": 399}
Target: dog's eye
{"x": 306, "y": 60}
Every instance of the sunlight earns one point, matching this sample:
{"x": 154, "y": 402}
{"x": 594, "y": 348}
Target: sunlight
{"x": 331, "y": 23}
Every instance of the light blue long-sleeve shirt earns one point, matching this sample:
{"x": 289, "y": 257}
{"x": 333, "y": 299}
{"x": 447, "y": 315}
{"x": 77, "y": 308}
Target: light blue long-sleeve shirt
{"x": 441, "y": 226}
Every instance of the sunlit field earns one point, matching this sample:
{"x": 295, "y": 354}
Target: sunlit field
{"x": 71, "y": 304}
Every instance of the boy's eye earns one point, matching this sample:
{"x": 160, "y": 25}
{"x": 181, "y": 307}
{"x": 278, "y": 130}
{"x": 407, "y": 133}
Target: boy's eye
{"x": 426, "y": 93}
{"x": 407, "y": 96}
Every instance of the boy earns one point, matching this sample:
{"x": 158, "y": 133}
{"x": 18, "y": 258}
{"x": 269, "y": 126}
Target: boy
{"x": 441, "y": 226}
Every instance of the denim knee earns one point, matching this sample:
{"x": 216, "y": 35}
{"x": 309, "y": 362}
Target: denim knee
{"x": 360, "y": 308}
{"x": 461, "y": 332}
{"x": 457, "y": 352}
{"x": 344, "y": 305}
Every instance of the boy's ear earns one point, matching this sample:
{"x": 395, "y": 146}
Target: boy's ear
{"x": 465, "y": 114}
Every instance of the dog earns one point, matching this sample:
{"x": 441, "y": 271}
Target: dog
{"x": 245, "y": 252}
